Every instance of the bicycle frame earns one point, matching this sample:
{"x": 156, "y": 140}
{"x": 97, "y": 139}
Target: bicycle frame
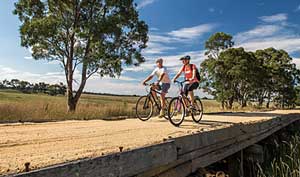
{"x": 151, "y": 96}
{"x": 181, "y": 95}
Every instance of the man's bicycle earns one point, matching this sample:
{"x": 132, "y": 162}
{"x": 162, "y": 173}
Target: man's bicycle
{"x": 149, "y": 105}
{"x": 179, "y": 107}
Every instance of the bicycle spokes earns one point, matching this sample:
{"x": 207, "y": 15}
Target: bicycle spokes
{"x": 178, "y": 105}
{"x": 197, "y": 110}
{"x": 144, "y": 108}
{"x": 176, "y": 111}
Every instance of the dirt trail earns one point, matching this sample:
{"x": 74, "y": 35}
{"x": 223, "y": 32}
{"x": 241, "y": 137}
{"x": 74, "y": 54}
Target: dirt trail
{"x": 44, "y": 144}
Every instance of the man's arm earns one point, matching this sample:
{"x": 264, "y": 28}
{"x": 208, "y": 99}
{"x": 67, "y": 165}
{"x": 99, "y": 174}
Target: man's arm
{"x": 147, "y": 79}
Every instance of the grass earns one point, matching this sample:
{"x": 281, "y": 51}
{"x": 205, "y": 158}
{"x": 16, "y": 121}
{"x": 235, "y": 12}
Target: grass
{"x": 286, "y": 162}
{"x": 17, "y": 106}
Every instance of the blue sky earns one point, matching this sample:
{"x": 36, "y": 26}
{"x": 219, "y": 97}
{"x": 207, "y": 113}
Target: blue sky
{"x": 177, "y": 28}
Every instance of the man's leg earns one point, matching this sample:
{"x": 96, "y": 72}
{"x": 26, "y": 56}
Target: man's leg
{"x": 153, "y": 92}
{"x": 164, "y": 90}
{"x": 163, "y": 100}
{"x": 163, "y": 104}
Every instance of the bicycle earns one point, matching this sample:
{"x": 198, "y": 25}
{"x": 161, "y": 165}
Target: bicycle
{"x": 145, "y": 104}
{"x": 177, "y": 108}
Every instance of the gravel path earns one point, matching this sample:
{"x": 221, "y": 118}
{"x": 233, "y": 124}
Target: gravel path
{"x": 44, "y": 144}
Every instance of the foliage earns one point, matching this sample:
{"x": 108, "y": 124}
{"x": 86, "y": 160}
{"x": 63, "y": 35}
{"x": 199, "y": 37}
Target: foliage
{"x": 235, "y": 75}
{"x": 89, "y": 36}
{"x": 27, "y": 87}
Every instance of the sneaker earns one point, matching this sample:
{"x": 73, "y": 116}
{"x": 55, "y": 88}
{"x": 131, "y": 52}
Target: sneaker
{"x": 161, "y": 113}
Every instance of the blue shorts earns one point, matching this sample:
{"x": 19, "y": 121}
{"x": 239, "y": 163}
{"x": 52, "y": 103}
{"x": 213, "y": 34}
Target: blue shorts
{"x": 164, "y": 87}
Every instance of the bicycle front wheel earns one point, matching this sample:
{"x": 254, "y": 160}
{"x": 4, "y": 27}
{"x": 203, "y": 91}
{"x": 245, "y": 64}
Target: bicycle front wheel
{"x": 176, "y": 111}
{"x": 168, "y": 100}
{"x": 144, "y": 108}
{"x": 197, "y": 110}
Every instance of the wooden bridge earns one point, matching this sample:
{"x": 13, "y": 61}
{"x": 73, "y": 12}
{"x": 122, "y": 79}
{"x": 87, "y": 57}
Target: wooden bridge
{"x": 217, "y": 137}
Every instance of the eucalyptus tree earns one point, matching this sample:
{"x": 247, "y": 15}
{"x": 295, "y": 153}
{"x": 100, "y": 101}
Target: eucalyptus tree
{"x": 89, "y": 36}
{"x": 279, "y": 79}
{"x": 216, "y": 43}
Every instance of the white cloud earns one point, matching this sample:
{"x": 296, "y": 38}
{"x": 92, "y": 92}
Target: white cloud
{"x": 50, "y": 77}
{"x": 298, "y": 8}
{"x": 274, "y": 18}
{"x": 211, "y": 10}
{"x": 29, "y": 58}
{"x": 192, "y": 32}
{"x": 156, "y": 48}
{"x": 159, "y": 43}
{"x": 287, "y": 43}
{"x": 278, "y": 36}
{"x": 145, "y": 3}
{"x": 153, "y": 29}
{"x": 161, "y": 38}
{"x": 172, "y": 62}
{"x": 53, "y": 62}
{"x": 257, "y": 32}
{"x": 297, "y": 62}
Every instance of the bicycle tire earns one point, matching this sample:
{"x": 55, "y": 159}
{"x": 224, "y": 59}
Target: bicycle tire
{"x": 173, "y": 111}
{"x": 197, "y": 111}
{"x": 168, "y": 100}
{"x": 138, "y": 109}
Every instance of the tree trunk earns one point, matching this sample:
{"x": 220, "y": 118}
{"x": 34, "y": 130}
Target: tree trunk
{"x": 244, "y": 103}
{"x": 269, "y": 99}
{"x": 71, "y": 105}
{"x": 261, "y": 99}
{"x": 230, "y": 103}
{"x": 223, "y": 104}
{"x": 71, "y": 101}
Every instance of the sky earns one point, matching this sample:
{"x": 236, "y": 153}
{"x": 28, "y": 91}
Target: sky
{"x": 176, "y": 28}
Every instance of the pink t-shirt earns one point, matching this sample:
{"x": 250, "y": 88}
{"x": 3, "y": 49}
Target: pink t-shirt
{"x": 188, "y": 72}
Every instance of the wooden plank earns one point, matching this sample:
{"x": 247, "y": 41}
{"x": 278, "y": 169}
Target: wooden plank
{"x": 120, "y": 164}
{"x": 216, "y": 147}
{"x": 242, "y": 143}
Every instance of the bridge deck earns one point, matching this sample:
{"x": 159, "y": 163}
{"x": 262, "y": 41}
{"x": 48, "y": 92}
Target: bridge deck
{"x": 44, "y": 144}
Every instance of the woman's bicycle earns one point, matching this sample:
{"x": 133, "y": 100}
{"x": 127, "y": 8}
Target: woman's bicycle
{"x": 179, "y": 107}
{"x": 145, "y": 105}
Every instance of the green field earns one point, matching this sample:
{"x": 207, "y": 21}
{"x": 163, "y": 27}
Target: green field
{"x": 17, "y": 106}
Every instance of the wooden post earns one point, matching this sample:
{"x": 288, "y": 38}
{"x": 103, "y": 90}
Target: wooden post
{"x": 242, "y": 164}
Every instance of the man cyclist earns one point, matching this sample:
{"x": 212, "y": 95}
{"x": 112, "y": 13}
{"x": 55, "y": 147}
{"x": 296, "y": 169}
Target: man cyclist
{"x": 190, "y": 75}
{"x": 162, "y": 84}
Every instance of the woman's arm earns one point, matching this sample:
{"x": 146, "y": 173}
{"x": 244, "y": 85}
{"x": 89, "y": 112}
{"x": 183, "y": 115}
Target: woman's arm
{"x": 178, "y": 74}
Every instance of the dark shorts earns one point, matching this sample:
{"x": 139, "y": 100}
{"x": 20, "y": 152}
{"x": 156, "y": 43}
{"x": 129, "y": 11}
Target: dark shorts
{"x": 190, "y": 87}
{"x": 164, "y": 87}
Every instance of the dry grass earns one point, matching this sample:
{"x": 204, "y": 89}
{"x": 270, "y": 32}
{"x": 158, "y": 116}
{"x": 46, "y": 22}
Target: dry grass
{"x": 16, "y": 106}
{"x": 287, "y": 162}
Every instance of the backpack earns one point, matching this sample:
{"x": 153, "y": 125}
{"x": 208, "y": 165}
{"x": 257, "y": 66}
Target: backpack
{"x": 197, "y": 72}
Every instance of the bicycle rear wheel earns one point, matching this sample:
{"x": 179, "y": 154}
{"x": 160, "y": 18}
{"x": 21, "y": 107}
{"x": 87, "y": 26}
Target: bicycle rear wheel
{"x": 144, "y": 108}
{"x": 197, "y": 110}
{"x": 176, "y": 111}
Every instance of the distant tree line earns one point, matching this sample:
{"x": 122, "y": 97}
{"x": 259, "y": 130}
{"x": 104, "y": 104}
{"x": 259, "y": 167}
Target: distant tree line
{"x": 236, "y": 75}
{"x": 110, "y": 94}
{"x": 27, "y": 87}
